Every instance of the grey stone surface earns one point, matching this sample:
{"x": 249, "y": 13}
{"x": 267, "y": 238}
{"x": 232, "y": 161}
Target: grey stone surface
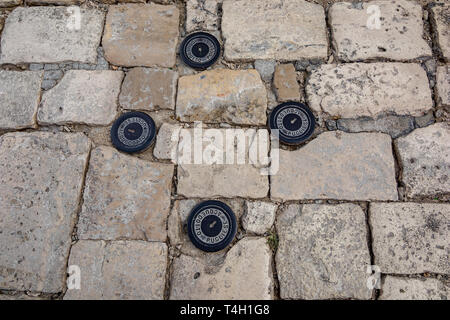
{"x": 323, "y": 252}
{"x": 41, "y": 174}
{"x": 266, "y": 68}
{"x": 441, "y": 25}
{"x": 395, "y": 126}
{"x": 395, "y": 288}
{"x": 259, "y": 216}
{"x": 202, "y": 15}
{"x": 425, "y": 120}
{"x": 443, "y": 85}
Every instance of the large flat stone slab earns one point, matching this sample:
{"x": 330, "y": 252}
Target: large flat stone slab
{"x": 274, "y": 29}
{"x": 119, "y": 270}
{"x": 48, "y": 35}
{"x": 323, "y": 252}
{"x": 410, "y": 237}
{"x": 441, "y": 27}
{"x": 425, "y": 158}
{"x": 338, "y": 165}
{"x": 443, "y": 85}
{"x": 19, "y": 98}
{"x": 246, "y": 274}
{"x": 397, "y": 35}
{"x": 88, "y": 97}
{"x": 367, "y": 89}
{"x": 125, "y": 198}
{"x": 395, "y": 288}
{"x": 141, "y": 35}
{"x": 222, "y": 95}
{"x": 41, "y": 175}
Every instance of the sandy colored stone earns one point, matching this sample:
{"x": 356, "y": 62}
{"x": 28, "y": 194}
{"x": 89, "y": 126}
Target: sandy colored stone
{"x": 367, "y": 89}
{"x": 167, "y": 142}
{"x": 141, "y": 35}
{"x": 119, "y": 270}
{"x": 48, "y": 35}
{"x": 125, "y": 198}
{"x": 356, "y": 35}
{"x": 410, "y": 238}
{"x": 322, "y": 253}
{"x": 443, "y": 85}
{"x": 395, "y": 288}
{"x": 149, "y": 89}
{"x": 425, "y": 158}
{"x": 9, "y": 3}
{"x": 274, "y": 29}
{"x": 440, "y": 19}
{"x": 222, "y": 95}
{"x": 88, "y": 97}
{"x": 19, "y": 98}
{"x": 245, "y": 274}
{"x": 259, "y": 216}
{"x": 338, "y": 165}
{"x": 285, "y": 83}
{"x": 202, "y": 15}
{"x": 41, "y": 175}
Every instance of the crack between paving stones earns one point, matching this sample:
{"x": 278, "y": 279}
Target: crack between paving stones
{"x": 375, "y": 292}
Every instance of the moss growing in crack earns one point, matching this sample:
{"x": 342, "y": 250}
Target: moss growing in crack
{"x": 272, "y": 241}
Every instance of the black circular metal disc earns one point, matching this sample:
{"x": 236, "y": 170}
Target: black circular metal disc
{"x": 200, "y": 50}
{"x": 294, "y": 120}
{"x": 133, "y": 132}
{"x": 211, "y": 226}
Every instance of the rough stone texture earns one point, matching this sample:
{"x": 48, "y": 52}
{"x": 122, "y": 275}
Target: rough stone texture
{"x": 55, "y": 2}
{"x": 88, "y": 97}
{"x": 121, "y": 270}
{"x": 323, "y": 252}
{"x": 367, "y": 89}
{"x": 395, "y": 126}
{"x": 356, "y": 36}
{"x": 425, "y": 158}
{"x": 19, "y": 98}
{"x": 202, "y": 15}
{"x": 285, "y": 83}
{"x": 395, "y": 288}
{"x": 410, "y": 237}
{"x": 167, "y": 142}
{"x": 338, "y": 165}
{"x": 274, "y": 29}
{"x": 125, "y": 198}
{"x": 45, "y": 34}
{"x": 222, "y": 95}
{"x": 259, "y": 216}
{"x": 149, "y": 89}
{"x": 141, "y": 35}
{"x": 41, "y": 175}
{"x": 246, "y": 274}
{"x": 9, "y": 3}
{"x": 443, "y": 85}
{"x": 440, "y": 20}
{"x": 266, "y": 68}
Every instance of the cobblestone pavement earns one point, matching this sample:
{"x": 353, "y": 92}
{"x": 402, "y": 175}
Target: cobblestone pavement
{"x": 368, "y": 190}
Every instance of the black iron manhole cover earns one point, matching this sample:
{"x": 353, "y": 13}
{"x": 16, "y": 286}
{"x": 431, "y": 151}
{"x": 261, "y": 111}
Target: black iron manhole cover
{"x": 200, "y": 50}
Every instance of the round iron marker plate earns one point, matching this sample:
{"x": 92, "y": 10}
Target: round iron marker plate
{"x": 211, "y": 226}
{"x": 133, "y": 132}
{"x": 200, "y": 50}
{"x": 294, "y": 121}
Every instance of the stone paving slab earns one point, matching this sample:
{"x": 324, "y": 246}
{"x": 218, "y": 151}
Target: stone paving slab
{"x": 323, "y": 252}
{"x": 443, "y": 85}
{"x": 246, "y": 274}
{"x": 125, "y": 198}
{"x": 285, "y": 83}
{"x": 441, "y": 24}
{"x": 41, "y": 175}
{"x": 337, "y": 165}
{"x": 19, "y": 98}
{"x": 202, "y": 15}
{"x": 395, "y": 288}
{"x": 48, "y": 35}
{"x": 125, "y": 270}
{"x": 274, "y": 29}
{"x": 259, "y": 216}
{"x": 9, "y": 3}
{"x": 398, "y": 35}
{"x": 410, "y": 238}
{"x": 167, "y": 142}
{"x": 368, "y": 89}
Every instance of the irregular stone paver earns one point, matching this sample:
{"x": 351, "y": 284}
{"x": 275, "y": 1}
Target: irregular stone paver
{"x": 357, "y": 35}
{"x": 323, "y": 252}
{"x": 41, "y": 175}
{"x": 395, "y": 288}
{"x": 149, "y": 89}
{"x": 245, "y": 274}
{"x": 167, "y": 142}
{"x": 367, "y": 89}
{"x": 395, "y": 126}
{"x": 141, "y": 35}
{"x": 410, "y": 237}
{"x": 122, "y": 270}
{"x": 88, "y": 97}
{"x": 266, "y": 68}
{"x": 48, "y": 34}
{"x": 425, "y": 158}
{"x": 443, "y": 85}
{"x": 10, "y": 3}
{"x": 221, "y": 95}
{"x": 202, "y": 15}
{"x": 19, "y": 98}
{"x": 259, "y": 216}
{"x": 440, "y": 20}
{"x": 268, "y": 29}
{"x": 285, "y": 83}
{"x": 125, "y": 198}
{"x": 338, "y": 165}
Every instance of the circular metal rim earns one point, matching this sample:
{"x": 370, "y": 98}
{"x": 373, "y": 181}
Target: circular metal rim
{"x": 197, "y": 65}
